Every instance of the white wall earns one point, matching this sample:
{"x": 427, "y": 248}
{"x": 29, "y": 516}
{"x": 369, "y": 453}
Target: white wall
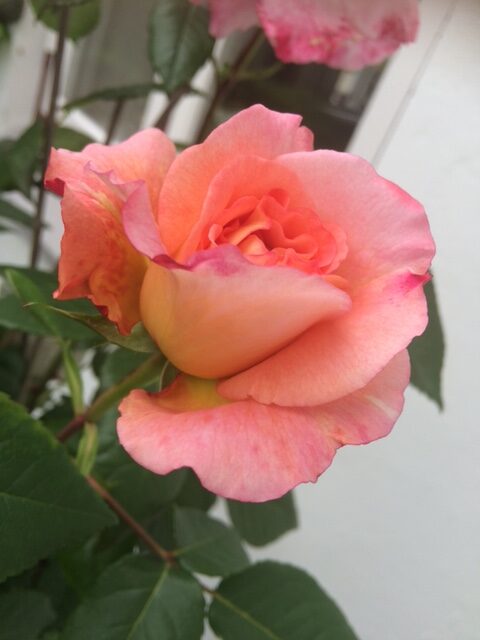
{"x": 392, "y": 530}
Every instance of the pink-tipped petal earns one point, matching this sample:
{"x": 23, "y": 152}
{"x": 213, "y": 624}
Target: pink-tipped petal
{"x": 97, "y": 260}
{"x": 231, "y": 15}
{"x": 386, "y": 228}
{"x": 256, "y": 131}
{"x": 144, "y": 156}
{"x": 248, "y": 451}
{"x": 242, "y": 450}
{"x": 223, "y": 314}
{"x": 370, "y": 412}
{"x": 336, "y": 358}
{"x": 139, "y": 222}
{"x": 344, "y": 34}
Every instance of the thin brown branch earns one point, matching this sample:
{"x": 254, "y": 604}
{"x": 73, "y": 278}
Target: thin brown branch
{"x": 225, "y": 86}
{"x": 47, "y": 58}
{"x": 175, "y": 98}
{"x": 48, "y": 132}
{"x": 115, "y": 118}
{"x": 72, "y": 427}
{"x": 136, "y": 527}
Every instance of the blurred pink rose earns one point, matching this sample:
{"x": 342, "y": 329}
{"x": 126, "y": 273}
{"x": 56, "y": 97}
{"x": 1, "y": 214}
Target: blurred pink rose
{"x": 284, "y": 283}
{"x": 344, "y": 34}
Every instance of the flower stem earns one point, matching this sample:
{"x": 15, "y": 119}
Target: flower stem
{"x": 148, "y": 371}
{"x": 224, "y": 86}
{"x": 48, "y": 132}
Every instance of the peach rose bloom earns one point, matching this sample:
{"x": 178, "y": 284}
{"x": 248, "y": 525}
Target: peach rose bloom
{"x": 344, "y": 34}
{"x": 284, "y": 283}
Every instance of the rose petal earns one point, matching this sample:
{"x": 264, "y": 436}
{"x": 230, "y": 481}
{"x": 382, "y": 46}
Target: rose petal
{"x": 230, "y": 15}
{"x": 370, "y": 412}
{"x": 335, "y": 358}
{"x": 223, "y": 314}
{"x": 242, "y": 176}
{"x": 248, "y": 451}
{"x": 243, "y": 450}
{"x": 145, "y": 156}
{"x": 386, "y": 228}
{"x": 344, "y": 34}
{"x": 97, "y": 261}
{"x": 256, "y": 131}
{"x": 139, "y": 222}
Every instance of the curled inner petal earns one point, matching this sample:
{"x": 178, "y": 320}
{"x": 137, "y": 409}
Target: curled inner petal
{"x": 268, "y": 231}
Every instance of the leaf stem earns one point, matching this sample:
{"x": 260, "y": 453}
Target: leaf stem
{"x": 136, "y": 527}
{"x": 48, "y": 132}
{"x": 225, "y": 85}
{"x": 148, "y": 371}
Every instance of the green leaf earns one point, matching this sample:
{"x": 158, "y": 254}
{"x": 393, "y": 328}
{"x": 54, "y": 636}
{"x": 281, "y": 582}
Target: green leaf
{"x": 206, "y": 545}
{"x": 9, "y": 211}
{"x": 66, "y": 138}
{"x": 14, "y": 316}
{"x": 24, "y": 613}
{"x": 427, "y": 352}
{"x": 83, "y": 17}
{"x": 20, "y": 158}
{"x": 261, "y": 523}
{"x": 272, "y": 601}
{"x": 37, "y": 299}
{"x": 193, "y": 494}
{"x": 179, "y": 42}
{"x": 6, "y": 180}
{"x": 12, "y": 368}
{"x": 140, "y": 598}
{"x": 45, "y": 504}
{"x": 140, "y": 491}
{"x": 129, "y": 92}
{"x": 138, "y": 340}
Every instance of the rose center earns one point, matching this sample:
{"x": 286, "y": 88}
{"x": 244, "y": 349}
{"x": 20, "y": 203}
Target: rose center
{"x": 269, "y": 232}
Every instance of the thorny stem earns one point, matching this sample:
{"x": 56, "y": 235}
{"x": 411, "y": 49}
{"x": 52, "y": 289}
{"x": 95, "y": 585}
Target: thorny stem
{"x": 224, "y": 86}
{"x": 136, "y": 527}
{"x": 150, "y": 370}
{"x": 48, "y": 131}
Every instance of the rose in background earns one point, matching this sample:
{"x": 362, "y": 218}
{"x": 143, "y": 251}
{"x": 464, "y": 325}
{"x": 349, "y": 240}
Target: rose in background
{"x": 344, "y": 34}
{"x": 284, "y": 283}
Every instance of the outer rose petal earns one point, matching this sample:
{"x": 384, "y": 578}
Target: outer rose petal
{"x": 344, "y": 34}
{"x": 98, "y": 262}
{"x": 370, "y": 412}
{"x": 224, "y": 314}
{"x": 145, "y": 156}
{"x": 335, "y": 358}
{"x": 97, "y": 259}
{"x": 249, "y": 451}
{"x": 254, "y": 131}
{"x": 243, "y": 450}
{"x": 229, "y": 15}
{"x": 386, "y": 228}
